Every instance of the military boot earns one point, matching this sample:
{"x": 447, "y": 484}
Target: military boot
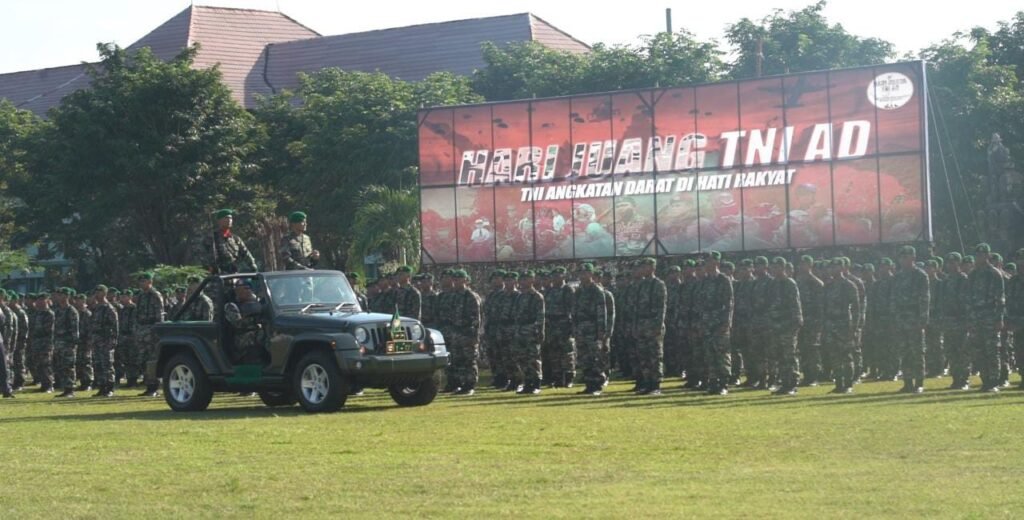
{"x": 908, "y": 386}
{"x": 68, "y": 393}
{"x": 151, "y": 391}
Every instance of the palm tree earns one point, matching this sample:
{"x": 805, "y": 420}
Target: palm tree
{"x": 387, "y": 221}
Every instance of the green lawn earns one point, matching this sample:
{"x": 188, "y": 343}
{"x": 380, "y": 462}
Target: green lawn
{"x": 875, "y": 453}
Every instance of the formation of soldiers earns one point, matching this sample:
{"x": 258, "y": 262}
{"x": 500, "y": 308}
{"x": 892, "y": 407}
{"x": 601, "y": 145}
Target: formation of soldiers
{"x": 763, "y": 324}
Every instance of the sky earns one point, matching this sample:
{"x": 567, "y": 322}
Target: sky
{"x": 48, "y": 33}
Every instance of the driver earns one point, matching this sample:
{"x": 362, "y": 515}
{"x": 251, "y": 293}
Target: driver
{"x": 245, "y": 316}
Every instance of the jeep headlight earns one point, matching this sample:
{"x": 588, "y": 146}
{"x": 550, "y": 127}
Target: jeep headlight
{"x": 362, "y": 335}
{"x": 416, "y": 332}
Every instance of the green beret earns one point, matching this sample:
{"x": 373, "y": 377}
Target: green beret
{"x": 221, "y": 213}
{"x": 838, "y": 262}
{"x": 969, "y": 259}
{"x": 807, "y": 259}
{"x": 997, "y": 258}
{"x": 511, "y": 275}
{"x": 448, "y": 272}
{"x": 728, "y": 266}
{"x": 1010, "y": 267}
{"x": 559, "y": 270}
{"x": 933, "y": 263}
{"x": 297, "y": 216}
{"x": 778, "y": 260}
{"x": 689, "y": 263}
{"x": 542, "y": 273}
{"x": 674, "y": 269}
{"x": 79, "y": 296}
{"x": 43, "y": 295}
{"x": 761, "y": 260}
{"x": 529, "y": 273}
{"x": 145, "y": 276}
{"x": 585, "y": 268}
{"x": 746, "y": 262}
{"x": 954, "y": 257}
{"x": 869, "y": 268}
{"x": 460, "y": 274}
{"x": 983, "y": 248}
{"x": 846, "y": 261}
{"x": 497, "y": 273}
{"x": 193, "y": 279}
{"x": 100, "y": 288}
{"x": 887, "y": 261}
{"x": 647, "y": 261}
{"x": 405, "y": 269}
{"x": 715, "y": 255}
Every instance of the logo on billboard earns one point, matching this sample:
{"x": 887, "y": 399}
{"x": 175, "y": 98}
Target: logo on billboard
{"x": 890, "y": 91}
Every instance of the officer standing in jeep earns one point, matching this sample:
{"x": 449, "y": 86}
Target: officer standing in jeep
{"x": 296, "y": 248}
{"x": 222, "y": 252}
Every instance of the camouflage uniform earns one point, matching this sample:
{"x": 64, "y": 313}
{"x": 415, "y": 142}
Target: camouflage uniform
{"x": 934, "y": 338}
{"x": 716, "y": 311}
{"x": 786, "y": 318}
{"x": 9, "y": 333}
{"x": 490, "y": 339}
{"x": 649, "y": 331}
{"x": 103, "y": 335}
{"x": 590, "y": 329}
{"x": 84, "y": 363}
{"x": 558, "y": 338}
{"x": 873, "y": 331}
{"x": 148, "y": 312}
{"x": 225, "y": 253}
{"x": 250, "y": 336}
{"x": 888, "y": 356}
{"x": 809, "y": 339}
{"x": 623, "y": 344}
{"x": 1015, "y": 317}
{"x": 505, "y": 335}
{"x": 125, "y": 352}
{"x": 952, "y": 318}
{"x": 910, "y": 306}
{"x": 463, "y": 337}
{"x": 21, "y": 347}
{"x": 758, "y": 350}
{"x": 841, "y": 311}
{"x": 606, "y": 350}
{"x": 409, "y": 301}
{"x": 529, "y": 334}
{"x": 673, "y": 331}
{"x": 65, "y": 345}
{"x": 41, "y": 350}
{"x": 987, "y": 299}
{"x": 201, "y": 309}
{"x": 743, "y": 336}
{"x": 296, "y": 252}
{"x": 858, "y": 334}
{"x": 693, "y": 356}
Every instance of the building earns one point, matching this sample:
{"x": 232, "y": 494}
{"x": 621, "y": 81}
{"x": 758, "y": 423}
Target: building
{"x": 261, "y": 52}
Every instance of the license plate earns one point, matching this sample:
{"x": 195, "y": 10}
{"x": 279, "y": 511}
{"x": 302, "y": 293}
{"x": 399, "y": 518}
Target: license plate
{"x": 400, "y": 347}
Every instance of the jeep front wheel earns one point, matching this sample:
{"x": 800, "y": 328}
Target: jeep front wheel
{"x": 186, "y": 388}
{"x": 317, "y": 384}
{"x": 417, "y": 394}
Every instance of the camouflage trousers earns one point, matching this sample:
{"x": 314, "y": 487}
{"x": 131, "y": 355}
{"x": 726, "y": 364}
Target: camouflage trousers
{"x": 5, "y": 372}
{"x": 122, "y": 357}
{"x": 18, "y": 364}
{"x": 958, "y": 350}
{"x": 145, "y": 347}
{"x": 103, "y": 359}
{"x": 526, "y": 355}
{"x": 809, "y": 349}
{"x": 504, "y": 347}
{"x": 935, "y": 353}
{"x": 84, "y": 363}
{"x": 911, "y": 344}
{"x": 784, "y": 364}
{"x": 650, "y": 354}
{"x": 872, "y": 352}
{"x": 718, "y": 354}
{"x": 1018, "y": 345}
{"x": 64, "y": 357}
{"x": 985, "y": 340}
{"x": 560, "y": 363}
{"x": 464, "y": 350}
{"x": 837, "y": 340}
{"x": 593, "y": 358}
{"x": 751, "y": 350}
{"x": 673, "y": 350}
{"x": 697, "y": 366}
{"x": 41, "y": 357}
{"x": 489, "y": 349}
{"x": 622, "y": 347}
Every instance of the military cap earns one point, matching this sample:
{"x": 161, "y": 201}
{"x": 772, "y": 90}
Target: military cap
{"x": 585, "y": 268}
{"x": 497, "y": 273}
{"x": 837, "y": 262}
{"x": 404, "y": 269}
{"x": 448, "y": 272}
{"x": 983, "y": 248}
{"x": 221, "y": 213}
{"x": 714, "y": 254}
{"x": 997, "y": 258}
{"x": 746, "y": 262}
{"x": 778, "y": 260}
{"x": 940, "y": 260}
{"x": 933, "y": 263}
{"x": 145, "y": 276}
{"x": 674, "y": 269}
{"x": 43, "y": 294}
{"x": 559, "y": 270}
{"x": 647, "y": 261}
{"x": 954, "y": 257}
{"x": 846, "y": 261}
{"x": 689, "y": 263}
{"x": 728, "y": 266}
{"x": 1010, "y": 267}
{"x": 887, "y": 261}
{"x": 869, "y": 268}
{"x": 761, "y": 260}
{"x": 511, "y": 275}
{"x": 460, "y": 274}
{"x": 529, "y": 273}
{"x": 297, "y": 216}
{"x": 969, "y": 259}
{"x": 919, "y": 264}
{"x": 100, "y": 288}
{"x": 4, "y": 294}
{"x": 541, "y": 273}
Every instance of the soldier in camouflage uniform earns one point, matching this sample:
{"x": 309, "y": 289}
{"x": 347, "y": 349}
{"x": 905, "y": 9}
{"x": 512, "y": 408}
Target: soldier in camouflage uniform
{"x": 221, "y": 252}
{"x": 1015, "y": 310}
{"x": 716, "y": 311}
{"x": 149, "y": 311}
{"x": 424, "y": 283}
{"x": 609, "y": 305}
{"x": 951, "y": 315}
{"x": 693, "y": 275}
{"x": 858, "y": 335}
{"x": 528, "y": 312}
{"x": 743, "y": 336}
{"x": 296, "y": 248}
{"x": 673, "y": 308}
{"x": 407, "y": 298}
{"x": 126, "y": 342}
{"x": 202, "y": 308}
{"x": 649, "y": 328}
{"x": 1005, "y": 341}
{"x": 760, "y": 325}
{"x": 103, "y": 336}
{"x": 809, "y": 339}
{"x": 558, "y": 322}
{"x": 355, "y": 280}
{"x": 840, "y": 316}
{"x": 987, "y": 301}
{"x": 505, "y": 329}
{"x": 489, "y": 335}
{"x": 935, "y": 358}
{"x": 65, "y": 341}
{"x": 20, "y": 345}
{"x": 787, "y": 319}
{"x": 625, "y": 344}
{"x": 590, "y": 328}
{"x": 84, "y": 363}
{"x": 911, "y": 307}
{"x": 9, "y": 333}
{"x": 244, "y": 314}
{"x": 5, "y": 360}
{"x": 41, "y": 338}
{"x": 463, "y": 310}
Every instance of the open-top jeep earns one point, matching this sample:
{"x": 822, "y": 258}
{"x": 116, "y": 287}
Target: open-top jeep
{"x": 308, "y": 340}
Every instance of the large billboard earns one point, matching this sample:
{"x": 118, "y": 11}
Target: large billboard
{"x": 798, "y": 161}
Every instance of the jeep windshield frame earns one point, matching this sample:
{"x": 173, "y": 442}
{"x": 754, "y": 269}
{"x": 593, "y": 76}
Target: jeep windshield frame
{"x": 306, "y": 291}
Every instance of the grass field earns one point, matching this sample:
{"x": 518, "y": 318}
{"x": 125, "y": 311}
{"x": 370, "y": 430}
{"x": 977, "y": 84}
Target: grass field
{"x": 875, "y": 453}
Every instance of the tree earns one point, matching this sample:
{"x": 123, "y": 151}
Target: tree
{"x": 387, "y": 220}
{"x": 17, "y": 128}
{"x": 798, "y": 41}
{"x": 341, "y": 132}
{"x": 127, "y": 172}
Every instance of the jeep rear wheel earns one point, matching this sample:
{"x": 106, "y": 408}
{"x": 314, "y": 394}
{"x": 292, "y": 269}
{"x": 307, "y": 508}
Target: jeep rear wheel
{"x": 317, "y": 383}
{"x": 277, "y": 398}
{"x": 417, "y": 394}
{"x": 186, "y": 388}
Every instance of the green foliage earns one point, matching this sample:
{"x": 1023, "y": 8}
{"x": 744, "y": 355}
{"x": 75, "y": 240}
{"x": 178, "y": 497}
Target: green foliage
{"x": 798, "y": 41}
{"x": 17, "y": 130}
{"x": 165, "y": 276}
{"x": 17, "y": 260}
{"x": 386, "y": 220}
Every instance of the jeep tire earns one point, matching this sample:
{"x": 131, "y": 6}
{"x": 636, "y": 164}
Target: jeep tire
{"x": 317, "y": 384}
{"x": 186, "y": 388}
{"x": 417, "y": 394}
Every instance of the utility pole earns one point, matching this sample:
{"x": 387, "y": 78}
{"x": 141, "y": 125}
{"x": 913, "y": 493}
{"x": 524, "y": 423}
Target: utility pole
{"x": 760, "y": 56}
{"x": 668, "y": 20}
